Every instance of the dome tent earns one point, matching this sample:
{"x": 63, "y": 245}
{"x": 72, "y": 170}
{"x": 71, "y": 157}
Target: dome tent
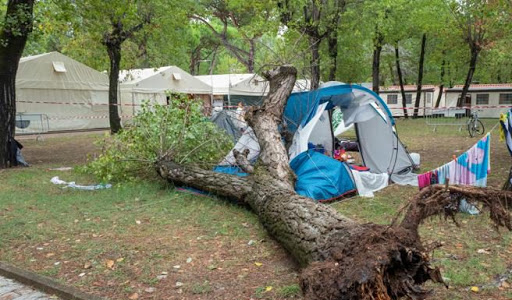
{"x": 307, "y": 116}
{"x": 321, "y": 177}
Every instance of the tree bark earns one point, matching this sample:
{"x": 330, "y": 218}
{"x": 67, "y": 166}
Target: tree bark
{"x": 114, "y": 54}
{"x": 314, "y": 44}
{"x": 441, "y": 85}
{"x": 420, "y": 75}
{"x": 332, "y": 42}
{"x": 377, "y": 49}
{"x": 400, "y": 81}
{"x": 13, "y": 35}
{"x": 469, "y": 78}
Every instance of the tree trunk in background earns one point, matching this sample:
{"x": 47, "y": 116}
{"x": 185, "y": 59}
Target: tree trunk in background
{"x": 314, "y": 44}
{"x": 114, "y": 53}
{"x": 394, "y": 79}
{"x": 342, "y": 259}
{"x": 441, "y": 86}
{"x": 332, "y": 43}
{"x": 469, "y": 78}
{"x": 13, "y": 35}
{"x": 377, "y": 49}
{"x": 420, "y": 76}
{"x": 400, "y": 81}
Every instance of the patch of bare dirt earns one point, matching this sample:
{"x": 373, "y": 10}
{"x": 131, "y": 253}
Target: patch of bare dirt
{"x": 63, "y": 149}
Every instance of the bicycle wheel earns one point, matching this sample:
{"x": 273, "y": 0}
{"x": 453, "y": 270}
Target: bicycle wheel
{"x": 479, "y": 127}
{"x": 471, "y": 128}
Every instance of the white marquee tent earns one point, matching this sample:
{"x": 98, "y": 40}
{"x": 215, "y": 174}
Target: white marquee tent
{"x": 151, "y": 84}
{"x": 55, "y": 92}
{"x": 236, "y": 84}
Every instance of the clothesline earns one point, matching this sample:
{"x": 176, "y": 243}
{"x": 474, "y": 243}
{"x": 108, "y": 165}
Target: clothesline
{"x": 470, "y": 168}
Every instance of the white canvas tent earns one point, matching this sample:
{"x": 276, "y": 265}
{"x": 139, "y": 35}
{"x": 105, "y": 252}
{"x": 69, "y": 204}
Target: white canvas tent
{"x": 61, "y": 93}
{"x": 236, "y": 84}
{"x": 151, "y": 84}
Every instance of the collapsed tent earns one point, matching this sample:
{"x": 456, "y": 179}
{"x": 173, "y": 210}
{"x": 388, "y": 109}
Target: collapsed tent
{"x": 228, "y": 121}
{"x": 308, "y": 116}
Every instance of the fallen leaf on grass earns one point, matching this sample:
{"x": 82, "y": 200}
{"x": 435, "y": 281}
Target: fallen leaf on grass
{"x": 87, "y": 265}
{"x": 120, "y": 259}
{"x": 134, "y": 296}
{"x": 109, "y": 263}
{"x": 50, "y": 254}
{"x": 268, "y": 289}
{"x": 475, "y": 289}
{"x": 258, "y": 264}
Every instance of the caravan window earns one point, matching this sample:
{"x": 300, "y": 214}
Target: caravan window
{"x": 408, "y": 98}
{"x": 505, "y": 98}
{"x": 482, "y": 99}
{"x": 392, "y": 99}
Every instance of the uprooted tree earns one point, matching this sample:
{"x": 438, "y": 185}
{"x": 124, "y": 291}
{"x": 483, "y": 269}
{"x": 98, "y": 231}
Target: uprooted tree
{"x": 342, "y": 259}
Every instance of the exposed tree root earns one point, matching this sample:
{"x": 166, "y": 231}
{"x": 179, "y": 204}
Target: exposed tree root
{"x": 445, "y": 200}
{"x": 390, "y": 262}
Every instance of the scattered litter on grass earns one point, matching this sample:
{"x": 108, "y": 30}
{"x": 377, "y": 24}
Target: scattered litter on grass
{"x": 161, "y": 277}
{"x": 189, "y": 260}
{"x": 251, "y": 242}
{"x": 150, "y": 290}
{"x": 179, "y": 284}
{"x": 475, "y": 289}
{"x": 483, "y": 251}
{"x": 73, "y": 185}
{"x": 61, "y": 169}
{"x": 465, "y": 207}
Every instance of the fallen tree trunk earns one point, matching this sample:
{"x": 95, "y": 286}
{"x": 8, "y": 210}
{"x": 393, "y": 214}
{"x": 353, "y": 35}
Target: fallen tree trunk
{"x": 342, "y": 259}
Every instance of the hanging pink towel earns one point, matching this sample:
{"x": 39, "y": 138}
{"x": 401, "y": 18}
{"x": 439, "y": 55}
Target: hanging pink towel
{"x": 424, "y": 179}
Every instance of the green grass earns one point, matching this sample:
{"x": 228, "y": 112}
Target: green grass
{"x": 42, "y": 224}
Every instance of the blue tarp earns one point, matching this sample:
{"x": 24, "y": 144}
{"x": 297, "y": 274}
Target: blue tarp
{"x": 321, "y": 177}
{"x": 233, "y": 170}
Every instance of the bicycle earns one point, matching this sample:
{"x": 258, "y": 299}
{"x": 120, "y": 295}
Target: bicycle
{"x": 475, "y": 126}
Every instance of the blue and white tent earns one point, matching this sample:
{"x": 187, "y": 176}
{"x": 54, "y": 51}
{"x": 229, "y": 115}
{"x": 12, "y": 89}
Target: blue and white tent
{"x": 308, "y": 116}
